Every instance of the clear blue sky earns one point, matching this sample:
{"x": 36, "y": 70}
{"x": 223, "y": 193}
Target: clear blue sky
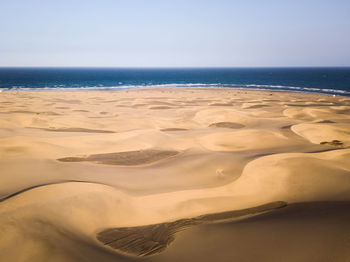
{"x": 174, "y": 33}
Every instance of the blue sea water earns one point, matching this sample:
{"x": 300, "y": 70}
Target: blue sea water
{"x": 320, "y": 80}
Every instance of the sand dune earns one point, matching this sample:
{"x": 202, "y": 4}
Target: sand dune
{"x": 173, "y": 129}
{"x": 312, "y": 231}
{"x": 152, "y": 239}
{"x": 243, "y": 140}
{"x": 168, "y": 174}
{"x": 318, "y": 133}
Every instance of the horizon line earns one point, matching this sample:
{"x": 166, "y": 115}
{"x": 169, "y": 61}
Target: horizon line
{"x": 170, "y": 67}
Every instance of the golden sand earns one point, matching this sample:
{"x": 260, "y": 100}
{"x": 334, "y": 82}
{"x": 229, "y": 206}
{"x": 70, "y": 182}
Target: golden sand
{"x": 174, "y": 174}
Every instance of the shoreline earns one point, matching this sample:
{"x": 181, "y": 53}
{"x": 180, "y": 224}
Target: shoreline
{"x": 118, "y": 89}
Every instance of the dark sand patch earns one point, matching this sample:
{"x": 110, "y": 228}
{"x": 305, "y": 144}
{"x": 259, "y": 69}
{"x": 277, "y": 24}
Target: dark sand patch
{"x": 80, "y": 110}
{"x": 220, "y": 104}
{"x": 152, "y": 239}
{"x": 49, "y": 113}
{"x": 271, "y": 100}
{"x": 31, "y": 112}
{"x": 160, "y": 107}
{"x": 204, "y": 100}
{"x": 326, "y": 122}
{"x": 227, "y": 125}
{"x": 111, "y": 101}
{"x": 173, "y": 129}
{"x": 74, "y": 129}
{"x": 120, "y": 105}
{"x": 103, "y": 116}
{"x": 333, "y": 143}
{"x": 62, "y": 107}
{"x": 286, "y": 127}
{"x": 309, "y": 105}
{"x": 129, "y": 158}
{"x": 256, "y": 106}
{"x": 19, "y": 112}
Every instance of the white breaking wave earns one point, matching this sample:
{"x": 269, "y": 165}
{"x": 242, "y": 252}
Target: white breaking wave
{"x": 184, "y": 85}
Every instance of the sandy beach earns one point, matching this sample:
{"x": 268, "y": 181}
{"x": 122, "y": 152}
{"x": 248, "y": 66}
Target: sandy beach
{"x": 174, "y": 174}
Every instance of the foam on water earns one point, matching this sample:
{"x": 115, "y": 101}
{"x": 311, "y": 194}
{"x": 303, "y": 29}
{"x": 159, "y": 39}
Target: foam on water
{"x": 316, "y": 80}
{"x": 189, "y": 85}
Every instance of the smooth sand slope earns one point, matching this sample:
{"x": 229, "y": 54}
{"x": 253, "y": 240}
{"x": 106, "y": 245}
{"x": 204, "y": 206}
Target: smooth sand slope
{"x": 174, "y": 175}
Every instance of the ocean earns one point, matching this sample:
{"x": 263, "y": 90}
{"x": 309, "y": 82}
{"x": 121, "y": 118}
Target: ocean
{"x": 320, "y": 80}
